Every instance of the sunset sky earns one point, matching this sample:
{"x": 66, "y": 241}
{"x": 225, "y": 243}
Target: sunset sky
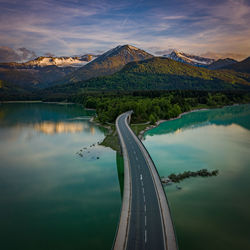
{"x": 75, "y": 27}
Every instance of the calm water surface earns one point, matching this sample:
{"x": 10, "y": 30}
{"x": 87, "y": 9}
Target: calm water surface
{"x": 50, "y": 197}
{"x": 209, "y": 213}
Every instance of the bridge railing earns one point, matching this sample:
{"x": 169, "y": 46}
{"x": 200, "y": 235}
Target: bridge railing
{"x": 123, "y": 226}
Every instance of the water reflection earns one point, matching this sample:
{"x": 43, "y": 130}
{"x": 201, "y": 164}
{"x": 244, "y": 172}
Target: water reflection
{"x": 47, "y": 191}
{"x": 62, "y": 127}
{"x": 226, "y": 116}
{"x": 30, "y": 113}
{"x": 212, "y": 139}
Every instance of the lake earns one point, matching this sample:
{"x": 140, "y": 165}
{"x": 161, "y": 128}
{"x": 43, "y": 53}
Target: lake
{"x": 50, "y": 196}
{"x": 59, "y": 189}
{"x": 213, "y": 212}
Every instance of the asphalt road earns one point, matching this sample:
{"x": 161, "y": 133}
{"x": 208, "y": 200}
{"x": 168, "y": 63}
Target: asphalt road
{"x": 145, "y": 226}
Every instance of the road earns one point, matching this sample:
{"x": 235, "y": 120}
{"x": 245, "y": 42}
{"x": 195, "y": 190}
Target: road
{"x": 146, "y": 227}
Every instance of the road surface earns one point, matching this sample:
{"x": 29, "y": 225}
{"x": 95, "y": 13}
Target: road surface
{"x": 146, "y": 228}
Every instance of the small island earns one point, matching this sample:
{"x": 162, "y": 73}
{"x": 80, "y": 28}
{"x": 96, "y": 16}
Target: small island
{"x": 179, "y": 177}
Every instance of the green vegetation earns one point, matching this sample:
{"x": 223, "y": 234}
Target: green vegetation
{"x": 161, "y": 73}
{"x": 111, "y": 140}
{"x": 106, "y": 64}
{"x": 137, "y": 128}
{"x": 31, "y": 78}
{"x": 243, "y": 66}
{"x": 151, "y": 74}
{"x": 187, "y": 174}
{"x": 151, "y": 106}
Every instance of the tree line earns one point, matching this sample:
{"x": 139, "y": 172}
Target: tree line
{"x": 154, "y": 105}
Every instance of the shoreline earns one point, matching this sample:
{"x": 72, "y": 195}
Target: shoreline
{"x": 141, "y": 133}
{"x": 38, "y": 101}
{"x": 21, "y": 101}
{"x": 112, "y": 132}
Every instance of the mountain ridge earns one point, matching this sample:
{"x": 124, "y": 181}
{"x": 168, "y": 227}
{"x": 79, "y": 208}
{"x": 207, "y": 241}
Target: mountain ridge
{"x": 108, "y": 63}
{"x": 242, "y": 66}
{"x": 189, "y": 59}
{"x": 161, "y": 73}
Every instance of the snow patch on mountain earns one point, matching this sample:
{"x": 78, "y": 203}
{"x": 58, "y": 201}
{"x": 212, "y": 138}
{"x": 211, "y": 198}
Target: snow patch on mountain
{"x": 132, "y": 47}
{"x": 189, "y": 59}
{"x": 77, "y": 61}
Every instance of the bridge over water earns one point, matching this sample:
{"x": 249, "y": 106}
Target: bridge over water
{"x": 145, "y": 220}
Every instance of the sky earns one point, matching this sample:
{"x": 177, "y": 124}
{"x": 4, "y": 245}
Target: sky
{"x": 214, "y": 28}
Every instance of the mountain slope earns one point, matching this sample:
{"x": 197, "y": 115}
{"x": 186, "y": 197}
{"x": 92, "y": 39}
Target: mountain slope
{"x": 189, "y": 59}
{"x": 42, "y": 71}
{"x": 243, "y": 66}
{"x": 107, "y": 63}
{"x": 32, "y": 77}
{"x": 10, "y": 91}
{"x": 221, "y": 63}
{"x": 161, "y": 73}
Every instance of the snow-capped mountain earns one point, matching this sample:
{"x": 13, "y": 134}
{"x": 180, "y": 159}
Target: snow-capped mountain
{"x": 108, "y": 63}
{"x": 189, "y": 59}
{"x": 76, "y": 61}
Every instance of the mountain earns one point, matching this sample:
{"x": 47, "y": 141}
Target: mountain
{"x": 29, "y": 77}
{"x": 159, "y": 73}
{"x": 243, "y": 66}
{"x": 76, "y": 61}
{"x": 221, "y": 63}
{"x": 42, "y": 71}
{"x": 189, "y": 59}
{"x": 10, "y": 91}
{"x": 107, "y": 63}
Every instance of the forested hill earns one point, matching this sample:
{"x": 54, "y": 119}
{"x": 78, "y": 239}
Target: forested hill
{"x": 243, "y": 66}
{"x": 161, "y": 73}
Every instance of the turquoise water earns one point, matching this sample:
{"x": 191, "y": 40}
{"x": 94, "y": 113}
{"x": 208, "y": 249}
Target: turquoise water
{"x": 209, "y": 213}
{"x": 51, "y": 197}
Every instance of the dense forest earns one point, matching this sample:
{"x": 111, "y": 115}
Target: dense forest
{"x": 155, "y": 105}
{"x": 161, "y": 73}
{"x": 152, "y": 74}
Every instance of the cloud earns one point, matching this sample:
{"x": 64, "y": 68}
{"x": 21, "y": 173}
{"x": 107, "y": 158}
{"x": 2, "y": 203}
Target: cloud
{"x": 77, "y": 27}
{"x": 217, "y": 56}
{"x": 163, "y": 52}
{"x": 173, "y": 17}
{"x": 48, "y": 54}
{"x": 8, "y": 54}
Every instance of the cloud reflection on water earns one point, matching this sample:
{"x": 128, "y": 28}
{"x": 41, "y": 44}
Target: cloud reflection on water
{"x": 49, "y": 127}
